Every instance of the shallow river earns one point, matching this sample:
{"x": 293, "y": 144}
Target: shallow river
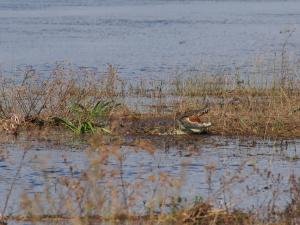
{"x": 157, "y": 38}
{"x": 260, "y": 169}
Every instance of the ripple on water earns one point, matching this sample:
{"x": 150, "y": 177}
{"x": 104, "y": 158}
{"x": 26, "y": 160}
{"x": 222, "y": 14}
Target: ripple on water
{"x": 255, "y": 171}
{"x": 145, "y": 38}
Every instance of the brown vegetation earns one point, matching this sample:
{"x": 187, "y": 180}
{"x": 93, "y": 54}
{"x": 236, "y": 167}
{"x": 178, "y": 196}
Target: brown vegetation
{"x": 236, "y": 107}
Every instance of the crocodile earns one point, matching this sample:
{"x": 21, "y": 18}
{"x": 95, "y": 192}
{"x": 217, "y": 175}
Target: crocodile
{"x": 190, "y": 121}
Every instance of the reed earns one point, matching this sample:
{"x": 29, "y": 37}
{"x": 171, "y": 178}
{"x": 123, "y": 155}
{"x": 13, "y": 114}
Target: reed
{"x": 237, "y": 106}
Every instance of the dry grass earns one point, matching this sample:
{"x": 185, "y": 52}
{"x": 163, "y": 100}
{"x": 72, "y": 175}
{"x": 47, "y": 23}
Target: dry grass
{"x": 268, "y": 116}
{"x": 237, "y": 107}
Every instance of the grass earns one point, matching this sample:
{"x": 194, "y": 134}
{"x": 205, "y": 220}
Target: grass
{"x": 263, "y": 106}
{"x": 87, "y": 120}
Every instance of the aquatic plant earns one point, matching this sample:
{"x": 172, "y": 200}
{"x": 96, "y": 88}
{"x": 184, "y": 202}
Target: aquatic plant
{"x": 87, "y": 119}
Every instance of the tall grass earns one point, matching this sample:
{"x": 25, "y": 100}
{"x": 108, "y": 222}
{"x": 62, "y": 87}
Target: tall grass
{"x": 260, "y": 105}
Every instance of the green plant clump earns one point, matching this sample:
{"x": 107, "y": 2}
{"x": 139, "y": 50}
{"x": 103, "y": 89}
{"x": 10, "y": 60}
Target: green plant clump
{"x": 87, "y": 119}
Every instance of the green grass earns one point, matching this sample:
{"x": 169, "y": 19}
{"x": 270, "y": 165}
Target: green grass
{"x": 87, "y": 119}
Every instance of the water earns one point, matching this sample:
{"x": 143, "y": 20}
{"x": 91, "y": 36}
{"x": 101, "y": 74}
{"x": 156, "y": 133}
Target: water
{"x": 259, "y": 168}
{"x": 156, "y": 38}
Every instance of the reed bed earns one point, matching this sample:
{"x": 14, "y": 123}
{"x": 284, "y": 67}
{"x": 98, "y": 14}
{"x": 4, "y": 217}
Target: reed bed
{"x": 237, "y": 106}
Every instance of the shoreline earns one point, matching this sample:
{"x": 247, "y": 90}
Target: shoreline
{"x": 235, "y": 108}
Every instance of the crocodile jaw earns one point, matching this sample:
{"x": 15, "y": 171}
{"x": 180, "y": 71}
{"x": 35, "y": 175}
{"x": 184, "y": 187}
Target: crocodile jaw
{"x": 200, "y": 125}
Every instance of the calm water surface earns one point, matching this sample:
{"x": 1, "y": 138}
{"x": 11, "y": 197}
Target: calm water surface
{"x": 157, "y": 38}
{"x": 261, "y": 168}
